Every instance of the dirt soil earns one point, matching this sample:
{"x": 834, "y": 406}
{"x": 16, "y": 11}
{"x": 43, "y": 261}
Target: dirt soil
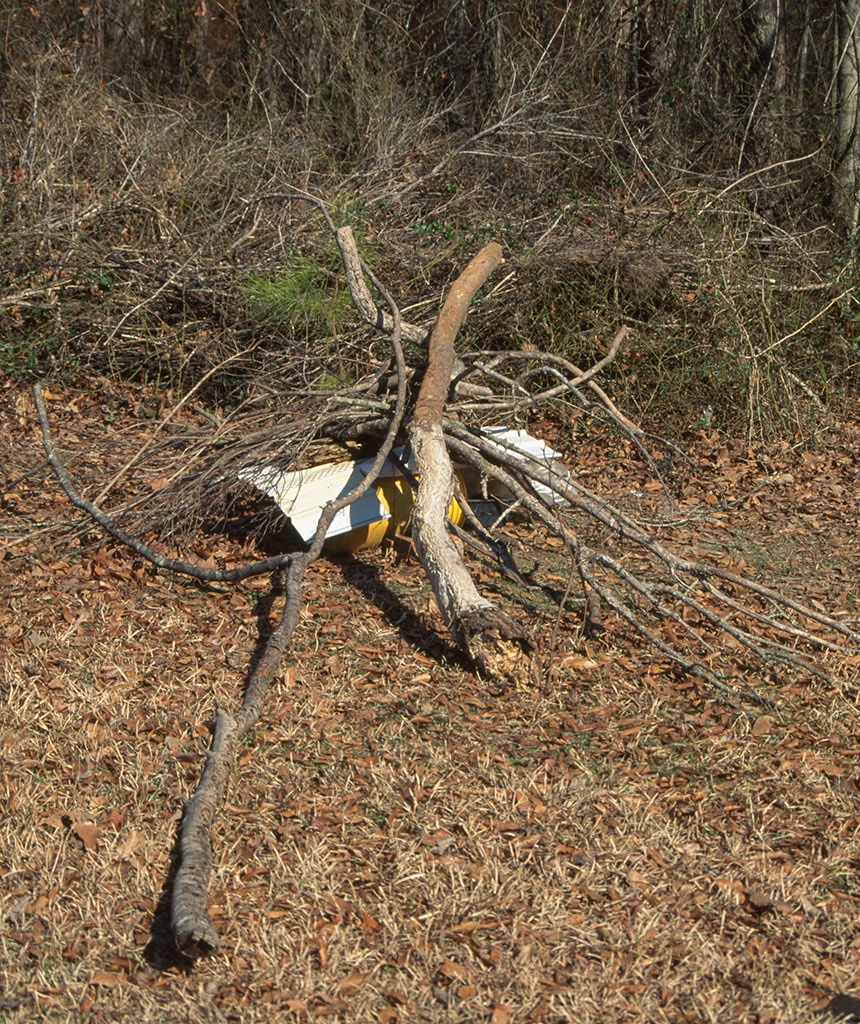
{"x": 399, "y": 843}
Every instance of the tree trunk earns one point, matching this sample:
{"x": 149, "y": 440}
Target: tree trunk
{"x": 768, "y": 27}
{"x": 847, "y": 186}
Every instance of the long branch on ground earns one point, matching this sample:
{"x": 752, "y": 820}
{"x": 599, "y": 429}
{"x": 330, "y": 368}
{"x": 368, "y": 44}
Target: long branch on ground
{"x": 194, "y": 931}
{"x": 498, "y": 645}
{"x": 193, "y": 928}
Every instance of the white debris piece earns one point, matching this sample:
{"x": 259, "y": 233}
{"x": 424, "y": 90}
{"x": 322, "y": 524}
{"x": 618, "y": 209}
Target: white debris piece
{"x": 521, "y": 445}
{"x": 302, "y": 494}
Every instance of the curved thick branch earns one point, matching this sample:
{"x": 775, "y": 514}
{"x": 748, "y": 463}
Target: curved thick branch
{"x": 499, "y": 647}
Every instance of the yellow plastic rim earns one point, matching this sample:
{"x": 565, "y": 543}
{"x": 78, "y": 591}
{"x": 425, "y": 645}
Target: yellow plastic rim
{"x": 396, "y": 497}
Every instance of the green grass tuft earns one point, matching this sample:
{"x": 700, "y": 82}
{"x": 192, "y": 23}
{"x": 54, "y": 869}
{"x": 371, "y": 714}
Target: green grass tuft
{"x": 301, "y": 296}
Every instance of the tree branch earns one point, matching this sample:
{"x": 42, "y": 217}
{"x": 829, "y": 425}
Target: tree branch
{"x": 499, "y": 647}
{"x": 194, "y": 930}
{"x": 107, "y": 524}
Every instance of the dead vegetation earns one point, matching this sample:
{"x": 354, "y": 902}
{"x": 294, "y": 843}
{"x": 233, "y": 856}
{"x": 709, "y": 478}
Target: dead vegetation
{"x": 397, "y": 842}
{"x": 618, "y": 837}
{"x": 680, "y": 606}
{"x": 408, "y": 692}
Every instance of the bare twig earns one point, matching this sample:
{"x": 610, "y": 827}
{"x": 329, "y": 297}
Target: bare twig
{"x": 546, "y": 361}
{"x": 521, "y": 476}
{"x": 139, "y": 453}
{"x": 107, "y": 524}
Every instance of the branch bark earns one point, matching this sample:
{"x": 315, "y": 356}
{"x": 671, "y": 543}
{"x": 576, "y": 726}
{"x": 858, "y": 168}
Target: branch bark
{"x": 498, "y": 646}
{"x": 194, "y": 931}
{"x": 360, "y": 293}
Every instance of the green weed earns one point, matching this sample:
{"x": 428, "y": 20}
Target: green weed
{"x": 27, "y": 352}
{"x": 302, "y": 296}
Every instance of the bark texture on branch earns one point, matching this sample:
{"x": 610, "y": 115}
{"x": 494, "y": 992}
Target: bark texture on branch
{"x": 194, "y": 930}
{"x": 360, "y": 293}
{"x": 497, "y": 645}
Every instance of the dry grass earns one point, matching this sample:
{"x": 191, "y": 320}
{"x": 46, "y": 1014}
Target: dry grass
{"x": 399, "y": 843}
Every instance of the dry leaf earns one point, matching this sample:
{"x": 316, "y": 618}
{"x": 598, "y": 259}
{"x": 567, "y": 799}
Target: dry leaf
{"x": 107, "y": 978}
{"x": 88, "y": 833}
{"x": 17, "y": 912}
{"x": 452, "y": 970}
{"x": 730, "y": 887}
{"x": 132, "y": 842}
{"x": 351, "y": 983}
{"x": 369, "y": 924}
{"x": 763, "y": 725}
{"x": 758, "y": 900}
{"x": 578, "y": 661}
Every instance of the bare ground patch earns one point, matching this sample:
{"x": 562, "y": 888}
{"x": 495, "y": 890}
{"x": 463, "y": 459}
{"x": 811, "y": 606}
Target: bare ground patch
{"x": 398, "y": 842}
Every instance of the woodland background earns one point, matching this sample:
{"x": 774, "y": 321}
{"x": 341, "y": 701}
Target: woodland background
{"x": 693, "y": 165}
{"x": 616, "y": 842}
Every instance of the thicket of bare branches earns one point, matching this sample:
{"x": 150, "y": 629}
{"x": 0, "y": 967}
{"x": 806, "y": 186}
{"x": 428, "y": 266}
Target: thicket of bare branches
{"x": 640, "y": 167}
{"x": 749, "y": 87}
{"x": 632, "y": 576}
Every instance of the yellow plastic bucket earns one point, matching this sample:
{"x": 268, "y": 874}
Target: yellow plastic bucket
{"x": 396, "y": 497}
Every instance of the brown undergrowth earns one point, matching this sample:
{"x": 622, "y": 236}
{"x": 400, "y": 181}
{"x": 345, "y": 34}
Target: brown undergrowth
{"x": 399, "y": 843}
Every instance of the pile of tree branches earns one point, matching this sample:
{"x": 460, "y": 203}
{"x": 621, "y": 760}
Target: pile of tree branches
{"x": 440, "y": 407}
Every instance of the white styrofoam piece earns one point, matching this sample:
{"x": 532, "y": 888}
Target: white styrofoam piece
{"x": 530, "y": 447}
{"x": 302, "y": 494}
